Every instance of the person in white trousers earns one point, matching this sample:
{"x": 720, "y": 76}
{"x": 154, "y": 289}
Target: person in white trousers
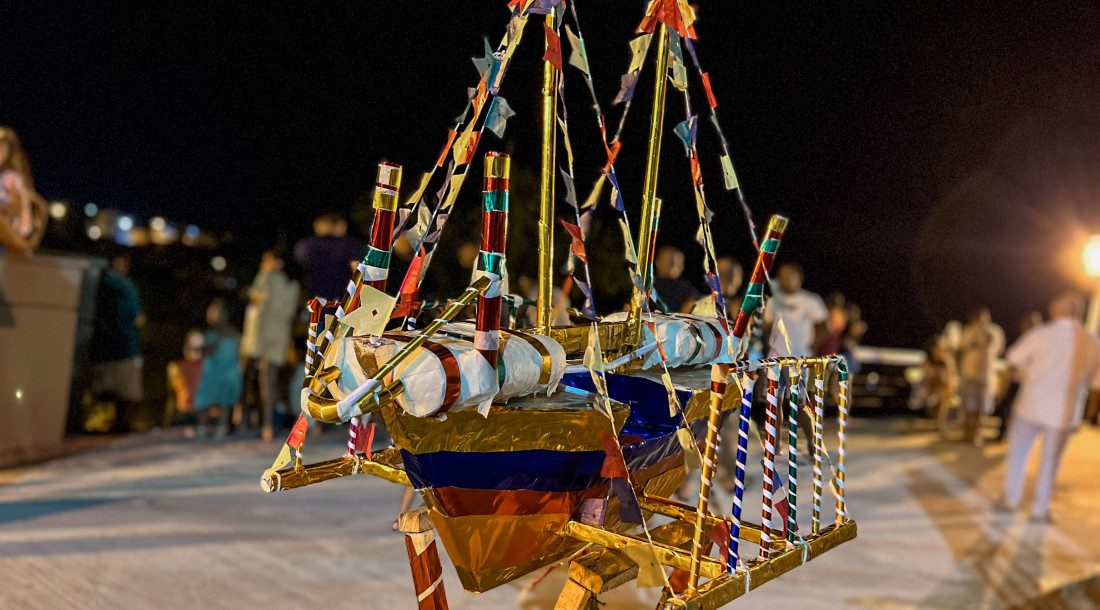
{"x": 1057, "y": 362}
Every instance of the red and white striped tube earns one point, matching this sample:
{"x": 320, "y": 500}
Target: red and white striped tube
{"x": 494, "y": 231}
{"x": 375, "y": 266}
{"x": 754, "y": 294}
{"x": 770, "y": 535}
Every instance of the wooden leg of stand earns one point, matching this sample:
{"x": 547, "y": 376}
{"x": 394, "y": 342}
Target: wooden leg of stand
{"x": 575, "y": 597}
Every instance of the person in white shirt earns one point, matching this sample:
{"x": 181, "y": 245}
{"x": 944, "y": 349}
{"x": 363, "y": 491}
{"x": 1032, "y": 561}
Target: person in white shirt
{"x": 802, "y": 312}
{"x": 803, "y": 315}
{"x": 1057, "y": 363}
{"x": 980, "y": 344}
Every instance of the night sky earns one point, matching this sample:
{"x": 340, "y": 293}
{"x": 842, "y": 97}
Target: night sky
{"x": 930, "y": 158}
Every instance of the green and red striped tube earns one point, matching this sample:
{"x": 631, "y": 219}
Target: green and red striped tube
{"x": 754, "y": 295}
{"x": 490, "y": 262}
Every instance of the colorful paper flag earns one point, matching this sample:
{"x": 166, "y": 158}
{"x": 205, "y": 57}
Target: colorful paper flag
{"x": 577, "y": 245}
{"x": 728, "y": 176}
{"x": 497, "y": 118}
{"x": 570, "y": 188}
{"x": 553, "y": 47}
{"x": 578, "y": 57}
{"x": 373, "y": 313}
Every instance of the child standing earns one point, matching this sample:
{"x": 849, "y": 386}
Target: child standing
{"x": 220, "y": 384}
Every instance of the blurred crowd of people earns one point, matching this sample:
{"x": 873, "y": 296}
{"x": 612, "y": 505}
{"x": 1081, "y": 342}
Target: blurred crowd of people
{"x": 1039, "y": 387}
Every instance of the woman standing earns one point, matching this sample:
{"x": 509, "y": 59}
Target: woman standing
{"x": 22, "y": 210}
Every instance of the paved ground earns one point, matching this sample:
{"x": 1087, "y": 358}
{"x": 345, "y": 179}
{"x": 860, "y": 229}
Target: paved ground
{"x": 158, "y": 521}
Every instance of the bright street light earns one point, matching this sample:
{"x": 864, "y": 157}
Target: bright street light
{"x": 1091, "y": 257}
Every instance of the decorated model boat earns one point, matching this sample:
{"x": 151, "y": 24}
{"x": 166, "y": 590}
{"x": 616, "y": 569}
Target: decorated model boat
{"x": 529, "y": 445}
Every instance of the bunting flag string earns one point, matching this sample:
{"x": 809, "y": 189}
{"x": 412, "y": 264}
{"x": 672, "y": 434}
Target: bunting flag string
{"x": 729, "y": 176}
{"x": 462, "y": 144}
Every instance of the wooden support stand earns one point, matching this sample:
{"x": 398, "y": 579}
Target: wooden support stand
{"x": 601, "y": 571}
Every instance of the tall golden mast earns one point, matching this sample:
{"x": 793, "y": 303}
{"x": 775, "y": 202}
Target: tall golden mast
{"x": 649, "y": 188}
{"x": 550, "y": 77}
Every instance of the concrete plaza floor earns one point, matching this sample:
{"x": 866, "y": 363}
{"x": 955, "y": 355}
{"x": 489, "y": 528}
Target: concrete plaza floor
{"x": 155, "y": 520}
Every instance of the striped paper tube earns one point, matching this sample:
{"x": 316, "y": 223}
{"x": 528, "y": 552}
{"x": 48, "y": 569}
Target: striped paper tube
{"x": 754, "y": 294}
{"x": 842, "y": 422}
{"x": 819, "y": 442}
{"x": 742, "y": 458}
{"x": 768, "y": 530}
{"x": 375, "y": 266}
{"x": 494, "y": 231}
{"x": 795, "y": 373}
{"x": 316, "y": 307}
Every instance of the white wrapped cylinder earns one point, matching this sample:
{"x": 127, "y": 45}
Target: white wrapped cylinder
{"x": 523, "y": 362}
{"x": 422, "y": 375}
{"x": 686, "y": 340}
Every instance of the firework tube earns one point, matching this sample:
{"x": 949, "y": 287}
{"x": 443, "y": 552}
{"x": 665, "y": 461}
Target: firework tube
{"x": 747, "y": 381}
{"x": 842, "y": 422}
{"x": 771, "y": 423}
{"x": 795, "y": 373}
{"x": 375, "y": 266}
{"x": 490, "y": 262}
{"x": 819, "y": 439}
{"x": 754, "y": 295}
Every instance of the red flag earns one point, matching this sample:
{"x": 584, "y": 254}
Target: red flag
{"x": 577, "y": 247}
{"x": 406, "y": 302}
{"x": 298, "y": 433}
{"x": 710, "y": 93}
{"x": 364, "y": 438}
{"x": 553, "y": 47}
{"x": 669, "y": 13}
{"x": 614, "y": 465}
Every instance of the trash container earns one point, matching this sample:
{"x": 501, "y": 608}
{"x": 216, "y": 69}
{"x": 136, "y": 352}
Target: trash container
{"x": 41, "y": 299}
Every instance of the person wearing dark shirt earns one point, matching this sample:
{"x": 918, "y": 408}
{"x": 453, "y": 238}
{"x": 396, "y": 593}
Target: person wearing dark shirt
{"x": 115, "y": 350}
{"x": 328, "y": 257}
{"x": 676, "y": 293}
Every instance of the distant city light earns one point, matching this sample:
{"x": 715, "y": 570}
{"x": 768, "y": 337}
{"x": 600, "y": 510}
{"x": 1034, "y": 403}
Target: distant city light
{"x": 191, "y": 232}
{"x": 157, "y": 223}
{"x": 19, "y": 393}
{"x": 218, "y": 263}
{"x": 1091, "y": 257}
{"x": 94, "y": 232}
{"x": 58, "y": 210}
{"x": 91, "y": 209}
{"x": 125, "y": 223}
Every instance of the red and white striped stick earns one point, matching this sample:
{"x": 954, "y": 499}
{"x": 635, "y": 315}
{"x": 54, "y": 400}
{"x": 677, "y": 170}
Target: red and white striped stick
{"x": 375, "y": 266}
{"x": 494, "y": 230}
{"x": 769, "y": 532}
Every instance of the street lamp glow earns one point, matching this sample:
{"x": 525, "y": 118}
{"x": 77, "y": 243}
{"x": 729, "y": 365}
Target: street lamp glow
{"x": 94, "y": 233}
{"x": 218, "y": 263}
{"x": 125, "y": 223}
{"x": 58, "y": 210}
{"x": 157, "y": 223}
{"x": 91, "y": 209}
{"x": 1091, "y": 257}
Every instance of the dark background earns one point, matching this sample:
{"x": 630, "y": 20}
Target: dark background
{"x": 931, "y": 158}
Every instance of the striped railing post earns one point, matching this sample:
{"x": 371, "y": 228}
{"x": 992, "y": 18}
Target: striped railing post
{"x": 494, "y": 229}
{"x": 842, "y": 423}
{"x": 745, "y": 412}
{"x": 796, "y": 390}
{"x": 819, "y": 443}
{"x": 768, "y": 531}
